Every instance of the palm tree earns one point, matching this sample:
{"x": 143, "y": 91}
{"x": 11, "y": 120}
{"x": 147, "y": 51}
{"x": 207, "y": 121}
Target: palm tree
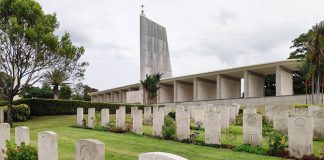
{"x": 304, "y": 68}
{"x": 150, "y": 88}
{"x": 55, "y": 78}
{"x": 315, "y": 56}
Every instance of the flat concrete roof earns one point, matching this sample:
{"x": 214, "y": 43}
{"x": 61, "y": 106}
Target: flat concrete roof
{"x": 236, "y": 72}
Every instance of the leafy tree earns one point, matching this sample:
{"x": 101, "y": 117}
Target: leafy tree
{"x": 28, "y": 45}
{"x": 300, "y": 46}
{"x": 270, "y": 85}
{"x": 150, "y": 88}
{"x": 65, "y": 92}
{"x": 37, "y": 92}
{"x": 81, "y": 92}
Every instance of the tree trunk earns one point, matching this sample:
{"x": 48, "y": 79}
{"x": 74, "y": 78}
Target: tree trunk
{"x": 9, "y": 108}
{"x": 312, "y": 98}
{"x": 56, "y": 92}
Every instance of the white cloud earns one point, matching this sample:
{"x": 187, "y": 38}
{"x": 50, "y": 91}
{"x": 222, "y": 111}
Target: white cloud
{"x": 203, "y": 35}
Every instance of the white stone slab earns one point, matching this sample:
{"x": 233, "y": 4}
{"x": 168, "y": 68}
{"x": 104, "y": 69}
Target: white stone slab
{"x": 249, "y": 110}
{"x": 252, "y": 129}
{"x": 120, "y": 118}
{"x": 104, "y": 117}
{"x": 158, "y": 122}
{"x": 21, "y": 135}
{"x": 212, "y": 128}
{"x": 268, "y": 112}
{"x": 183, "y": 125}
{"x": 91, "y": 117}
{"x": 232, "y": 113}
{"x": 159, "y": 156}
{"x": 224, "y": 112}
{"x": 138, "y": 122}
{"x": 89, "y": 149}
{"x": 280, "y": 119}
{"x": 47, "y": 146}
{"x": 80, "y": 116}
{"x": 1, "y": 115}
{"x": 318, "y": 123}
{"x": 300, "y": 136}
{"x": 199, "y": 117}
{"x": 4, "y": 134}
{"x": 147, "y": 115}
{"x": 311, "y": 109}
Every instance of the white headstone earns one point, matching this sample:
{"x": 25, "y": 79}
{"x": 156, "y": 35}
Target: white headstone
{"x": 311, "y": 109}
{"x": 147, "y": 115}
{"x": 249, "y": 110}
{"x": 238, "y": 106}
{"x": 4, "y": 134}
{"x": 268, "y": 113}
{"x": 159, "y": 156}
{"x": 199, "y": 117}
{"x": 89, "y": 149}
{"x": 138, "y": 122}
{"x": 133, "y": 109}
{"x": 21, "y": 135}
{"x": 123, "y": 108}
{"x": 252, "y": 129}
{"x": 158, "y": 122}
{"x": 120, "y": 118}
{"x": 280, "y": 119}
{"x": 212, "y": 128}
{"x": 91, "y": 117}
{"x": 183, "y": 125}
{"x": 318, "y": 121}
{"x": 104, "y": 117}
{"x": 47, "y": 146}
{"x": 224, "y": 112}
{"x": 1, "y": 115}
{"x": 232, "y": 113}
{"x": 80, "y": 116}
{"x": 155, "y": 108}
{"x": 300, "y": 136}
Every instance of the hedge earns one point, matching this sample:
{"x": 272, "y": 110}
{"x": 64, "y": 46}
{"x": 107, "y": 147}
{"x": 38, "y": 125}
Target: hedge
{"x": 19, "y": 112}
{"x": 3, "y": 103}
{"x": 46, "y": 107}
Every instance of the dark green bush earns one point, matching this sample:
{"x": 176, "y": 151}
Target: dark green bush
{"x": 169, "y": 128}
{"x": 172, "y": 115}
{"x": 3, "y": 103}
{"x": 22, "y": 152}
{"x": 19, "y": 112}
{"x": 44, "y": 107}
{"x": 250, "y": 149}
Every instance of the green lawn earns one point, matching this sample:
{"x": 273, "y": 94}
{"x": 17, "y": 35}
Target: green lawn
{"x": 129, "y": 146}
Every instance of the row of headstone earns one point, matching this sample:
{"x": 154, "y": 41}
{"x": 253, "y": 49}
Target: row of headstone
{"x": 300, "y": 124}
{"x": 21, "y": 135}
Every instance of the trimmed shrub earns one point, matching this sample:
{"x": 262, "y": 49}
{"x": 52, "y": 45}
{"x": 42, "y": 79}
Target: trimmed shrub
{"x": 25, "y": 152}
{"x": 19, "y": 112}
{"x": 169, "y": 128}
{"x": 3, "y": 103}
{"x": 45, "y": 107}
{"x": 250, "y": 149}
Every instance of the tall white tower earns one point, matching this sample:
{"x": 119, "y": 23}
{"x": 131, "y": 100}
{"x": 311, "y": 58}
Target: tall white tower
{"x": 154, "y": 49}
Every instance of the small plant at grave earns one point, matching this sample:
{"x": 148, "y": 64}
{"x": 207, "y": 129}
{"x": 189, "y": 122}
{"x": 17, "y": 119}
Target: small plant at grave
{"x": 250, "y": 149}
{"x": 276, "y": 141}
{"x": 322, "y": 153}
{"x": 128, "y": 127}
{"x": 172, "y": 115}
{"x": 84, "y": 123}
{"x": 168, "y": 128}
{"x": 22, "y": 152}
{"x": 193, "y": 137}
{"x": 231, "y": 136}
{"x": 199, "y": 124}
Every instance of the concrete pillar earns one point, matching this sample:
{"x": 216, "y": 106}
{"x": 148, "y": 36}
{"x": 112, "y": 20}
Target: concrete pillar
{"x": 284, "y": 81}
{"x": 253, "y": 84}
{"x": 183, "y": 91}
{"x": 165, "y": 93}
{"x": 228, "y": 87}
{"x": 204, "y": 89}
{"x": 112, "y": 96}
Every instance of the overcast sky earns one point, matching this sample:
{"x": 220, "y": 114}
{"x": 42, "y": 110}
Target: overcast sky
{"x": 203, "y": 35}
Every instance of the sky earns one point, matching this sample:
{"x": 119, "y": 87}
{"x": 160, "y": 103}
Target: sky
{"x": 202, "y": 35}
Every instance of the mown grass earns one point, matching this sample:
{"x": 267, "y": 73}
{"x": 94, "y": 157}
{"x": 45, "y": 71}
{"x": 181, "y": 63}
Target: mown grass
{"x": 129, "y": 146}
